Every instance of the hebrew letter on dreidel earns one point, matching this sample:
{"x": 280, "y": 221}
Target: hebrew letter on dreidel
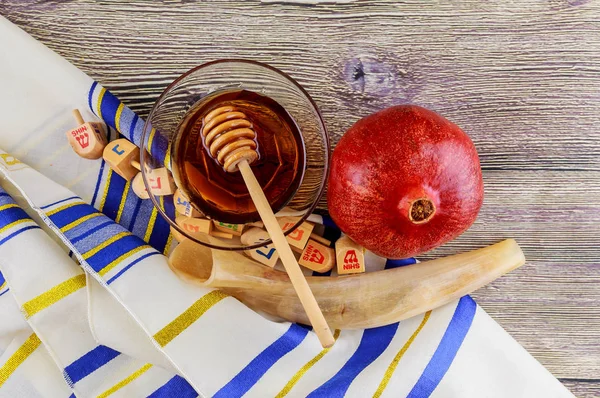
{"x": 316, "y": 257}
{"x": 298, "y": 237}
{"x": 156, "y": 182}
{"x": 267, "y": 255}
{"x": 117, "y": 151}
{"x": 296, "y": 234}
{"x": 83, "y": 140}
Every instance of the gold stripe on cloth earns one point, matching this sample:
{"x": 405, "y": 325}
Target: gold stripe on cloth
{"x": 19, "y": 356}
{"x": 53, "y": 295}
{"x": 78, "y": 222}
{"x": 61, "y": 208}
{"x": 122, "y": 257}
{"x": 125, "y": 381}
{"x": 151, "y": 223}
{"x": 106, "y": 186}
{"x": 392, "y": 368}
{"x": 290, "y": 384}
{"x": 188, "y": 317}
{"x": 99, "y": 101}
{"x": 123, "y": 200}
{"x": 8, "y": 206}
{"x": 14, "y": 224}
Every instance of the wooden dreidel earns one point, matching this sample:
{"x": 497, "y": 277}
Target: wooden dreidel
{"x": 350, "y": 257}
{"x": 234, "y": 229}
{"x": 183, "y": 205}
{"x": 230, "y": 139}
{"x": 317, "y": 257}
{"x": 123, "y": 157}
{"x": 298, "y": 237}
{"x": 257, "y": 224}
{"x": 138, "y": 186}
{"x": 160, "y": 181}
{"x": 266, "y": 255}
{"x": 195, "y": 227}
{"x": 89, "y": 139}
{"x": 320, "y": 239}
{"x": 221, "y": 234}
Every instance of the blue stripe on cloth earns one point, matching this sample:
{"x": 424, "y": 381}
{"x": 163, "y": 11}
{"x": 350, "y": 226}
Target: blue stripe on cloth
{"x": 248, "y": 376}
{"x": 2, "y": 193}
{"x": 390, "y": 263}
{"x": 89, "y": 363}
{"x": 447, "y": 349}
{"x": 169, "y": 207}
{"x": 97, "y": 188}
{"x": 159, "y": 147}
{"x": 373, "y": 343}
{"x": 118, "y": 274}
{"x": 72, "y": 395}
{"x": 108, "y": 108}
{"x": 113, "y": 251}
{"x": 90, "y": 94}
{"x": 132, "y": 128}
{"x": 126, "y": 121}
{"x": 4, "y": 292}
{"x": 2, "y": 280}
{"x": 60, "y": 201}
{"x": 70, "y": 214}
{"x": 177, "y": 387}
{"x": 161, "y": 231}
{"x": 11, "y": 215}
{"x": 5, "y": 199}
{"x": 160, "y": 234}
{"x": 85, "y": 227}
{"x": 113, "y": 197}
{"x": 131, "y": 203}
{"x": 27, "y": 228}
{"x": 134, "y": 215}
{"x": 143, "y": 218}
{"x": 328, "y": 222}
{"x": 91, "y": 231}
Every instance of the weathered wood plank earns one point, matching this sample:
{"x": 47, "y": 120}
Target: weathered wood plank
{"x": 522, "y": 78}
{"x": 583, "y": 388}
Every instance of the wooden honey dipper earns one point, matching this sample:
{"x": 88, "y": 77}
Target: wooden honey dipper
{"x": 229, "y": 137}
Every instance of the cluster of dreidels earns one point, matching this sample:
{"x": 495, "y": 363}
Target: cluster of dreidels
{"x": 315, "y": 252}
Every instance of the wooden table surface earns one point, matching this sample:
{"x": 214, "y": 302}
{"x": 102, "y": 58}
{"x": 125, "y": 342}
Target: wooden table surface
{"x": 522, "y": 78}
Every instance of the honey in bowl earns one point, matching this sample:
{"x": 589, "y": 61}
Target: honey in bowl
{"x": 221, "y": 195}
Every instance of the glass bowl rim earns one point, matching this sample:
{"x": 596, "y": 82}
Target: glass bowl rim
{"x": 291, "y": 80}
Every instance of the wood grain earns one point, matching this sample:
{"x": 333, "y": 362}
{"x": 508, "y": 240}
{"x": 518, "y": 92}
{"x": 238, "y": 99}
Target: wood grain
{"x": 522, "y": 78}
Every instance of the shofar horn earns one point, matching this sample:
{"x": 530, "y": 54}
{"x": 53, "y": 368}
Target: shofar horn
{"x": 355, "y": 301}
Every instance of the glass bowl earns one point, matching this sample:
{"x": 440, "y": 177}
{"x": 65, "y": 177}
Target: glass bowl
{"x": 162, "y": 128}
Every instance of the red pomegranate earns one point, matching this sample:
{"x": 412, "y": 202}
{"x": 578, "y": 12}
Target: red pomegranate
{"x": 404, "y": 181}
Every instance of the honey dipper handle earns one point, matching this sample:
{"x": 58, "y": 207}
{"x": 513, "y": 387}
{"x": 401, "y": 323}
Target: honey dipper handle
{"x": 77, "y": 116}
{"x": 296, "y": 276}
